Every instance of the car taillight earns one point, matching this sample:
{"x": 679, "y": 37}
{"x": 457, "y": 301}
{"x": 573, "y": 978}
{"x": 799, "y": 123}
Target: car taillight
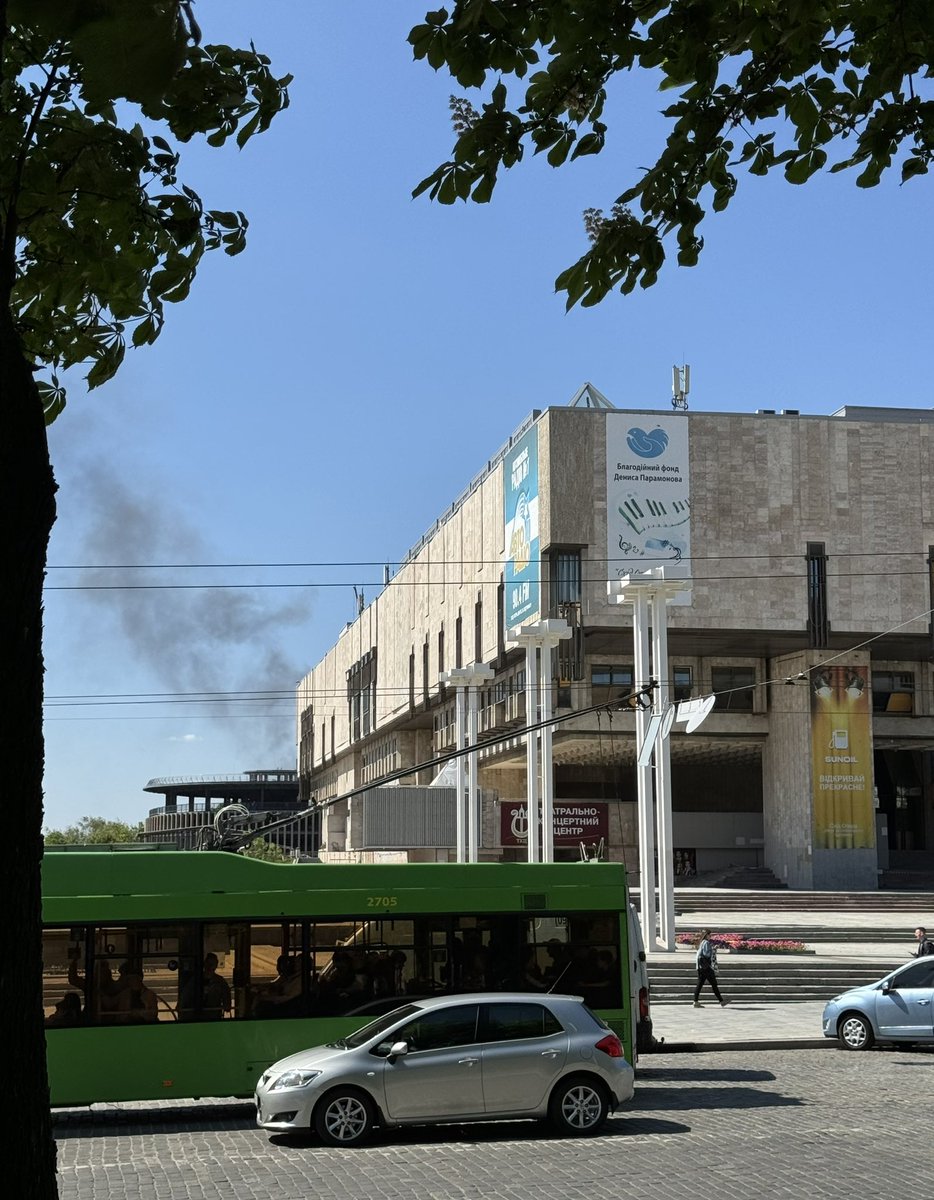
{"x": 610, "y": 1045}
{"x": 643, "y": 1004}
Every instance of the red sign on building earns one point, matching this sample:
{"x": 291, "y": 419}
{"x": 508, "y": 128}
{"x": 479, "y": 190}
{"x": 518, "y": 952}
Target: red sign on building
{"x": 574, "y": 821}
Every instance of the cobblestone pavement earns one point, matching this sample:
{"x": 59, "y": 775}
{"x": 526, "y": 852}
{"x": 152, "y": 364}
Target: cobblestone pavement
{"x": 782, "y": 1124}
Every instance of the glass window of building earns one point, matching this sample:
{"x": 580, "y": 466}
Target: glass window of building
{"x": 609, "y": 683}
{"x": 734, "y": 688}
{"x": 893, "y": 691}
{"x": 682, "y": 680}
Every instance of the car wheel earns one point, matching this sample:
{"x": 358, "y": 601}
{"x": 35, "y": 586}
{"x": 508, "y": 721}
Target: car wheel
{"x": 578, "y": 1106}
{"x": 344, "y": 1117}
{"x": 855, "y": 1032}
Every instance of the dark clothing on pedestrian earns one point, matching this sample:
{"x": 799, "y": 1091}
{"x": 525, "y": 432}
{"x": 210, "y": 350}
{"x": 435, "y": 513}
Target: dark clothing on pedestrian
{"x": 706, "y": 963}
{"x": 706, "y": 975}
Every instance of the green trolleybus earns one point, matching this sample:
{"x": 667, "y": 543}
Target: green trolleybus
{"x": 186, "y": 974}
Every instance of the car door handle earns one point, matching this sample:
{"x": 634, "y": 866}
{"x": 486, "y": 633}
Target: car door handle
{"x": 922, "y": 1002}
{"x": 549, "y": 1054}
{"x": 467, "y": 1062}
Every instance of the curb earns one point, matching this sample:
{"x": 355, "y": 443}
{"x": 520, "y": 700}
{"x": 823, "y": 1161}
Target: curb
{"x": 744, "y": 1044}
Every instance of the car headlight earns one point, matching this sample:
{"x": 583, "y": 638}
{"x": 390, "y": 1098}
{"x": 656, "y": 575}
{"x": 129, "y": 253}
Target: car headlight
{"x": 293, "y": 1079}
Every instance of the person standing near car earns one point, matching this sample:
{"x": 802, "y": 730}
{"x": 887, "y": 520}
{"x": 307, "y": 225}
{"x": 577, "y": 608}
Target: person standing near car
{"x": 706, "y": 962}
{"x": 925, "y": 945}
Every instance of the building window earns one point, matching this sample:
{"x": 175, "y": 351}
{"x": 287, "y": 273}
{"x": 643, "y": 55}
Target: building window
{"x": 361, "y": 696}
{"x": 893, "y": 691}
{"x": 425, "y": 671}
{"x": 733, "y": 688}
{"x": 565, "y": 577}
{"x": 609, "y": 683}
{"x": 412, "y": 680}
{"x": 441, "y": 650}
{"x": 478, "y": 631}
{"x": 682, "y": 683}
{"x": 459, "y": 641}
{"x": 818, "y": 624}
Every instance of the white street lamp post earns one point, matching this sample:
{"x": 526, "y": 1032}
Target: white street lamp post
{"x": 649, "y": 594}
{"x": 540, "y": 637}
{"x": 467, "y": 783}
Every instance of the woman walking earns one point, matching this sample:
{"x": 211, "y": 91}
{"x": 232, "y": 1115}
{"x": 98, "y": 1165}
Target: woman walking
{"x": 706, "y": 963}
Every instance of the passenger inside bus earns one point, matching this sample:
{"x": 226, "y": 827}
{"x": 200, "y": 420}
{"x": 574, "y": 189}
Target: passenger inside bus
{"x": 67, "y": 1012}
{"x": 136, "y": 1004}
{"x": 103, "y": 997}
{"x": 282, "y": 997}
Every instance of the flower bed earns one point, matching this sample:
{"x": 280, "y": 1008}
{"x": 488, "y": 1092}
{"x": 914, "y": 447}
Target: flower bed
{"x": 738, "y": 943}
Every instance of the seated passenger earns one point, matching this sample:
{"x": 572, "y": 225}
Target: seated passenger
{"x": 136, "y": 1004}
{"x": 282, "y": 997}
{"x": 215, "y": 991}
{"x": 67, "y": 1012}
{"x": 341, "y": 987}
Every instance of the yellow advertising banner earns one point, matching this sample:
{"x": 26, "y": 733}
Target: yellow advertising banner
{"x": 841, "y": 759}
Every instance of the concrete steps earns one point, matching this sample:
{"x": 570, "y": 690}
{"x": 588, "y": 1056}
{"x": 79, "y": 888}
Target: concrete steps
{"x": 692, "y": 900}
{"x": 765, "y": 978}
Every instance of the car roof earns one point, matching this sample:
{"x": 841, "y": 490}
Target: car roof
{"x": 431, "y": 1002}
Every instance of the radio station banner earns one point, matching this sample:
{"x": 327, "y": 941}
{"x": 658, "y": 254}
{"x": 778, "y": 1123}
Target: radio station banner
{"x": 574, "y": 821}
{"x": 841, "y": 759}
{"x": 648, "y": 497}
{"x": 522, "y": 569}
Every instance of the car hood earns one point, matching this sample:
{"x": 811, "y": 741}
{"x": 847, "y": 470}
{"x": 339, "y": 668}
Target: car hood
{"x": 313, "y": 1059}
{"x": 857, "y": 993}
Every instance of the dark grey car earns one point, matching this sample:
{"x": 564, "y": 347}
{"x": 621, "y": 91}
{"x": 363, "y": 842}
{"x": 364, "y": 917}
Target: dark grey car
{"x": 475, "y": 1057}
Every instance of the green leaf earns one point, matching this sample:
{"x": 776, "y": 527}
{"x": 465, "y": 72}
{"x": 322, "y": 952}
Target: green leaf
{"x": 913, "y": 167}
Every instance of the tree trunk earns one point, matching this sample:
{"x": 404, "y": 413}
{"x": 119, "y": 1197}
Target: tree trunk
{"x": 27, "y": 512}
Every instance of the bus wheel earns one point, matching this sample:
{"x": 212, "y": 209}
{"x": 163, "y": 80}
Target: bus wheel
{"x": 578, "y": 1106}
{"x": 344, "y": 1117}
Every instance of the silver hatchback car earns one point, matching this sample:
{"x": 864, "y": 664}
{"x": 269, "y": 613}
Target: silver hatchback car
{"x": 898, "y": 1008}
{"x": 481, "y": 1056}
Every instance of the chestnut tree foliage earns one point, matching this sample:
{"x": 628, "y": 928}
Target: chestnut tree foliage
{"x": 98, "y": 235}
{"x": 752, "y": 86}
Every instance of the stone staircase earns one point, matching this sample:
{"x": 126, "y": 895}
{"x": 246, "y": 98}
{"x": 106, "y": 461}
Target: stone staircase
{"x": 866, "y": 919}
{"x": 749, "y": 878}
{"x": 764, "y": 978}
{"x": 691, "y": 900}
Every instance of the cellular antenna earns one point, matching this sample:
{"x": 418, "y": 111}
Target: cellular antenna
{"x": 680, "y": 386}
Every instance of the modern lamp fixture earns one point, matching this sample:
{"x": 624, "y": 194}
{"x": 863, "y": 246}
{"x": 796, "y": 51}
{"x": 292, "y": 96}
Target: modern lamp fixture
{"x": 820, "y": 681}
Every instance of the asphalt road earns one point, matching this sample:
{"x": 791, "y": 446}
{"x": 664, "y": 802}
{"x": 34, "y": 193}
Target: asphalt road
{"x": 787, "y": 1124}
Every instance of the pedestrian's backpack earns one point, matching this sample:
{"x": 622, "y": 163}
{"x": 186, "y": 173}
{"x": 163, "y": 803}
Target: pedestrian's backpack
{"x": 926, "y": 946}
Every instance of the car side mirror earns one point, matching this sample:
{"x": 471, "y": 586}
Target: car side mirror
{"x": 886, "y": 988}
{"x": 398, "y": 1050}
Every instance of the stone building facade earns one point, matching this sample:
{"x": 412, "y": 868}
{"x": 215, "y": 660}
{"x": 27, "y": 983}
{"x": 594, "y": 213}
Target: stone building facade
{"x": 806, "y": 545}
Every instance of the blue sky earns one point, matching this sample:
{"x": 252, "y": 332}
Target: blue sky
{"x": 325, "y": 396}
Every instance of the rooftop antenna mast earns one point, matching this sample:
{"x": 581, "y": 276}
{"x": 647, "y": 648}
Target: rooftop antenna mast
{"x": 680, "y": 386}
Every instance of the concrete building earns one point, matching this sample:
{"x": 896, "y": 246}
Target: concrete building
{"x": 199, "y": 810}
{"x": 806, "y": 545}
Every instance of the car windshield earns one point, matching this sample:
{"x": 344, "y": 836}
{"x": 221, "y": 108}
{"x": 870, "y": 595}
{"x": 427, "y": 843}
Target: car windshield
{"x": 379, "y": 1026}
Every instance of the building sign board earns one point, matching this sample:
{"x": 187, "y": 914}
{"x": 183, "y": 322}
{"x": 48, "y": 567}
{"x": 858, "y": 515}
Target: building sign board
{"x": 841, "y": 758}
{"x": 574, "y": 821}
{"x": 522, "y": 569}
{"x": 648, "y": 495}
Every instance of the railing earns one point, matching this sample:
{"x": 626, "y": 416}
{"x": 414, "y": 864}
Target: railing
{"x": 282, "y": 775}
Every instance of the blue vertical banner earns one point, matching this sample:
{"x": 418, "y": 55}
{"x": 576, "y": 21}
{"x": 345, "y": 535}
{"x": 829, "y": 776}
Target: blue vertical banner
{"x": 522, "y": 572}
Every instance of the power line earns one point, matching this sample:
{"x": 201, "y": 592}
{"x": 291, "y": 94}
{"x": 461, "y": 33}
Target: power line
{"x": 460, "y": 562}
{"x": 379, "y": 586}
